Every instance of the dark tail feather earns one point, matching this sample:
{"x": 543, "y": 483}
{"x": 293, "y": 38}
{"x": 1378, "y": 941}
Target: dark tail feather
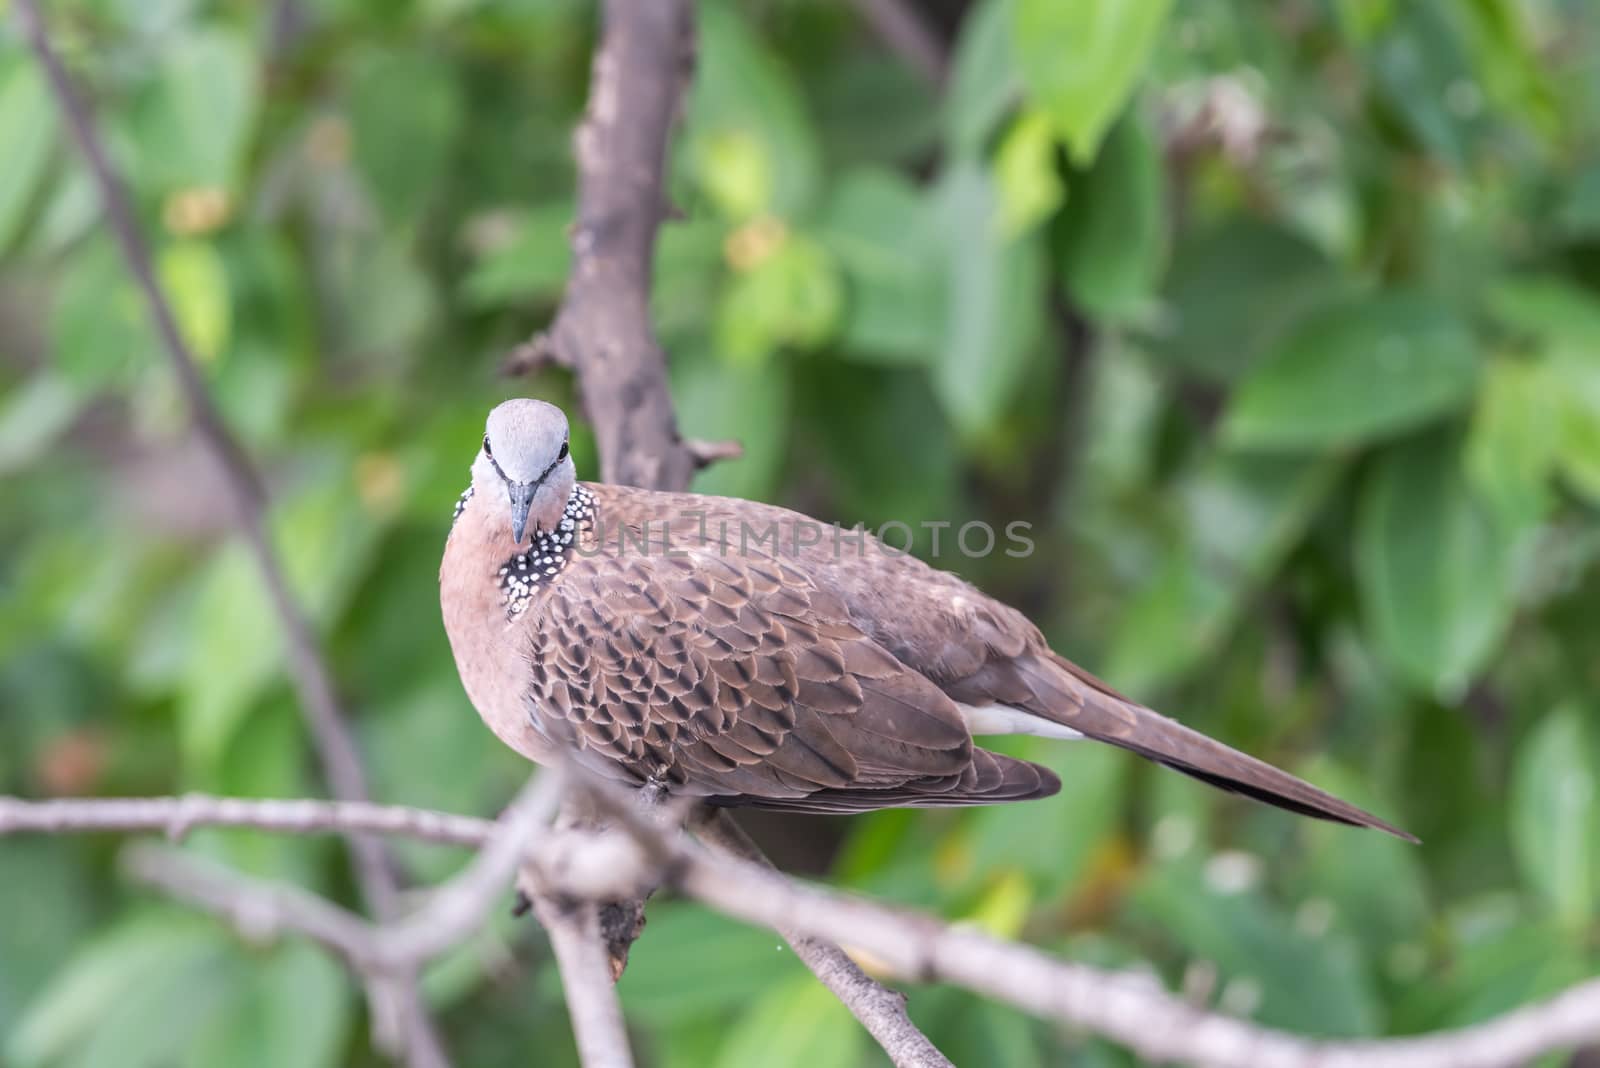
{"x": 1105, "y": 715}
{"x": 1228, "y": 769}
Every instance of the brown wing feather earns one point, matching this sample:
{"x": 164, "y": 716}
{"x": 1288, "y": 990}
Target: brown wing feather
{"x": 913, "y": 638}
{"x": 733, "y": 677}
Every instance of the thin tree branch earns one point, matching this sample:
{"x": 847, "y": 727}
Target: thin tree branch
{"x": 176, "y": 816}
{"x": 1128, "y": 1008}
{"x": 585, "y": 864}
{"x": 706, "y": 453}
{"x": 901, "y": 27}
{"x": 586, "y": 977}
{"x": 881, "y": 1011}
{"x": 457, "y": 909}
{"x": 379, "y": 956}
{"x": 318, "y": 701}
{"x": 574, "y": 863}
{"x": 1131, "y": 1009}
{"x": 261, "y": 910}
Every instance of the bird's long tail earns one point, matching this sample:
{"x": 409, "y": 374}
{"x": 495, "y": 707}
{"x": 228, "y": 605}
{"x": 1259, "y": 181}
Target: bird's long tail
{"x": 1096, "y": 710}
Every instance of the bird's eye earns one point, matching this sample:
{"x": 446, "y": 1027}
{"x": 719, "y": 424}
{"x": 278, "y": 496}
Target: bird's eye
{"x": 486, "y": 450}
{"x": 562, "y": 455}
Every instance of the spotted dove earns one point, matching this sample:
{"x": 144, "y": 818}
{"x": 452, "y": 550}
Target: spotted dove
{"x": 744, "y": 654}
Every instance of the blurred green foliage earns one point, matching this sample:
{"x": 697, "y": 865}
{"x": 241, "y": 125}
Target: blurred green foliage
{"x": 1281, "y": 324}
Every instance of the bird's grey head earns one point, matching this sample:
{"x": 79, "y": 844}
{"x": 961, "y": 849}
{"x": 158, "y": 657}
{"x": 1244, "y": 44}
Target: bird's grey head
{"x": 525, "y": 461}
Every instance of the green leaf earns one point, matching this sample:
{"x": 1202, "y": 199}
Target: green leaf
{"x": 797, "y": 1025}
{"x": 266, "y": 757}
{"x": 125, "y": 989}
{"x": 1421, "y": 69}
{"x": 1513, "y": 444}
{"x": 1374, "y": 886}
{"x": 27, "y": 134}
{"x": 983, "y": 78}
{"x": 32, "y": 415}
{"x": 736, "y": 171}
{"x": 234, "y": 624}
{"x": 1112, "y": 240}
{"x": 1075, "y": 823}
{"x": 1240, "y": 516}
{"x": 1364, "y": 369}
{"x": 99, "y": 329}
{"x": 324, "y": 536}
{"x": 690, "y": 269}
{"x": 47, "y": 881}
{"x": 792, "y": 297}
{"x": 1563, "y": 321}
{"x": 881, "y": 231}
{"x": 902, "y": 126}
{"x": 1579, "y": 214}
{"x": 390, "y": 298}
{"x": 1555, "y": 823}
{"x": 749, "y": 141}
{"x": 1502, "y": 959}
{"x": 1234, "y": 289}
{"x": 1576, "y": 372}
{"x": 290, "y": 1007}
{"x": 696, "y": 962}
{"x": 407, "y": 736}
{"x": 1551, "y": 309}
{"x": 407, "y": 113}
{"x": 1305, "y": 983}
{"x": 529, "y": 265}
{"x": 882, "y": 415}
{"x": 1082, "y": 58}
{"x": 197, "y": 119}
{"x": 196, "y": 283}
{"x": 1025, "y": 172}
{"x": 993, "y": 303}
{"x": 749, "y": 405}
{"x": 985, "y": 1032}
{"x": 1437, "y": 568}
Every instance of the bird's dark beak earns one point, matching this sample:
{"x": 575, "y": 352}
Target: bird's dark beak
{"x": 521, "y": 500}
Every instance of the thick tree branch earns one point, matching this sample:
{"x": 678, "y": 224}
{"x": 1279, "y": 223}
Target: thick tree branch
{"x": 603, "y": 328}
{"x": 318, "y": 700}
{"x": 603, "y": 332}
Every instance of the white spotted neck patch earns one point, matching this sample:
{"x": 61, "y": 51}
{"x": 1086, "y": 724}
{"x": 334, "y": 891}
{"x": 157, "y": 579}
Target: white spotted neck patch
{"x": 525, "y": 572}
{"x": 461, "y": 504}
